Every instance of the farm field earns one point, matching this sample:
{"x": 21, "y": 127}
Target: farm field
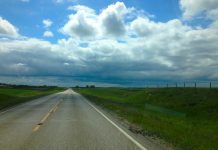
{"x": 184, "y": 117}
{"x": 13, "y": 95}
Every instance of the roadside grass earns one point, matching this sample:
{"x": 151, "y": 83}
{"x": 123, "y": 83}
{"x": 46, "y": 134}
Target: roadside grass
{"x": 185, "y": 117}
{"x": 10, "y": 96}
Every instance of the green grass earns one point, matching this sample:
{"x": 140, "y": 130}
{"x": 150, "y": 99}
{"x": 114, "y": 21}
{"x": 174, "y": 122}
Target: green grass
{"x": 187, "y": 118}
{"x": 10, "y": 96}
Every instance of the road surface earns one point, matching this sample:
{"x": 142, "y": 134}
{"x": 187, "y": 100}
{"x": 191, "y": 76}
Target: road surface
{"x": 62, "y": 121}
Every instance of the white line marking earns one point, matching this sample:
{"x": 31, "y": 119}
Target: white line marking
{"x": 121, "y": 130}
{"x": 11, "y": 108}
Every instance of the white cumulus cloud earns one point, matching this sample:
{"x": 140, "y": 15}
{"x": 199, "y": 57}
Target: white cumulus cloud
{"x": 112, "y": 19}
{"x": 47, "y": 23}
{"x": 48, "y": 34}
{"x": 192, "y": 8}
{"x": 86, "y": 23}
{"x": 82, "y": 24}
{"x": 6, "y": 28}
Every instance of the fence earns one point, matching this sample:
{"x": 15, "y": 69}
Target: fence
{"x": 187, "y": 84}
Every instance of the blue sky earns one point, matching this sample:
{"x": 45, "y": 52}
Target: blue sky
{"x": 28, "y": 16}
{"x": 109, "y": 41}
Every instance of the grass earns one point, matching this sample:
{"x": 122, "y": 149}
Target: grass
{"x": 186, "y": 118}
{"x": 10, "y": 96}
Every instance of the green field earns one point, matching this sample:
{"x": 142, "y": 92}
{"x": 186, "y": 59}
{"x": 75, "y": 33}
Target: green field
{"x": 184, "y": 117}
{"x": 11, "y": 95}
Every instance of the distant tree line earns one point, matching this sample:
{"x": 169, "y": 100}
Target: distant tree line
{"x": 87, "y": 86}
{"x": 25, "y": 86}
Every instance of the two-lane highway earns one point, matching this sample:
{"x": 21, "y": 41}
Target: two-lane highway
{"x": 61, "y": 121}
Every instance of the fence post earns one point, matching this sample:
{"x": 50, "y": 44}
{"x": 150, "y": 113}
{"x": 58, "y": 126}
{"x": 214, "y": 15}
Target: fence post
{"x": 195, "y": 85}
{"x": 210, "y": 85}
{"x": 176, "y": 85}
{"x": 184, "y": 84}
{"x": 167, "y": 85}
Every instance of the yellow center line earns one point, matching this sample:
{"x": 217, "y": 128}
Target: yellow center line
{"x": 55, "y": 109}
{"x": 52, "y": 110}
{"x": 36, "y": 128}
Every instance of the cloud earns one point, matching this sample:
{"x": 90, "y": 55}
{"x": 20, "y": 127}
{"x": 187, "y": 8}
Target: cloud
{"x": 81, "y": 8}
{"x": 48, "y": 34}
{"x": 18, "y": 67}
{"x": 85, "y": 23}
{"x": 6, "y": 28}
{"x": 145, "y": 27}
{"x": 47, "y": 23}
{"x": 82, "y": 24}
{"x": 192, "y": 8}
{"x": 112, "y": 19}
{"x": 34, "y": 56}
{"x": 146, "y": 49}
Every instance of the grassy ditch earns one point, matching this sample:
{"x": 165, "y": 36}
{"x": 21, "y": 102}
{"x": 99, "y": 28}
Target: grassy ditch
{"x": 13, "y": 95}
{"x": 187, "y": 118}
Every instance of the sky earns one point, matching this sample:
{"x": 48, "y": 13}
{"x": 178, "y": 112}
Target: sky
{"x": 108, "y": 42}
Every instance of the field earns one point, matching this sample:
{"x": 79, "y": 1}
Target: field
{"x": 12, "y": 95}
{"x": 184, "y": 117}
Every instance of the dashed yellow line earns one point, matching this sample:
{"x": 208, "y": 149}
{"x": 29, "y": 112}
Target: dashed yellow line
{"x": 55, "y": 109}
{"x": 52, "y": 110}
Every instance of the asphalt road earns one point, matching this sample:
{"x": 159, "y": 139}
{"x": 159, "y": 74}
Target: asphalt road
{"x": 62, "y": 121}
